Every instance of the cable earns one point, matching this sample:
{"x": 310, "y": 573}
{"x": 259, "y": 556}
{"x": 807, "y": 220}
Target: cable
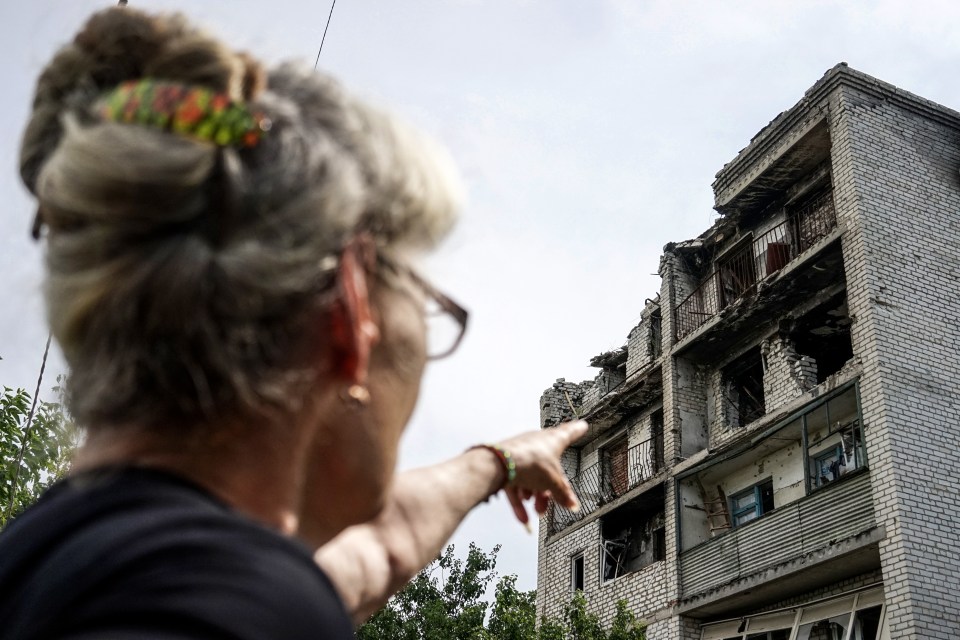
{"x": 26, "y": 433}
{"x": 324, "y": 34}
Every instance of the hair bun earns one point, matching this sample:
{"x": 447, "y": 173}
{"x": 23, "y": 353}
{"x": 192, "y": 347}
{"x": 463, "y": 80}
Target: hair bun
{"x": 120, "y": 44}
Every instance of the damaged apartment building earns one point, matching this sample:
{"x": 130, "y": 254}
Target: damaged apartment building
{"x": 775, "y": 452}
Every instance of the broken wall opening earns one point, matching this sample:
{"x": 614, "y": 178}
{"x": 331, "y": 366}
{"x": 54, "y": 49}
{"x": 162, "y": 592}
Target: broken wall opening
{"x": 743, "y": 394}
{"x": 823, "y": 334}
{"x": 633, "y": 535}
{"x": 655, "y": 344}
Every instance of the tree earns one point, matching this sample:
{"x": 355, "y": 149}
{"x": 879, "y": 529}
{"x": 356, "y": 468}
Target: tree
{"x": 514, "y": 614}
{"x": 582, "y": 625}
{"x": 625, "y": 625}
{"x": 443, "y": 602}
{"x": 46, "y": 450}
{"x": 446, "y": 601}
{"x": 551, "y": 629}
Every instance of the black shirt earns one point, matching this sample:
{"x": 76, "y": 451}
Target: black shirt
{"x": 133, "y": 553}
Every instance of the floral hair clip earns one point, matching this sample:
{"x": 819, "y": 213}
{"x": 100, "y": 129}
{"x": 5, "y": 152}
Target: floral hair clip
{"x": 191, "y": 111}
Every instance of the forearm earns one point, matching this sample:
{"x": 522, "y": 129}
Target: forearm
{"x": 370, "y": 562}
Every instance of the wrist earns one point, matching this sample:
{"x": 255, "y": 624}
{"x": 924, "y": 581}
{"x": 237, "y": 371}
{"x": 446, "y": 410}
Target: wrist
{"x": 498, "y": 463}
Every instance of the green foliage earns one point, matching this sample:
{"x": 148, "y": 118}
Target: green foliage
{"x": 443, "y": 602}
{"x": 625, "y": 625}
{"x": 582, "y": 625}
{"x": 551, "y": 629}
{"x": 514, "y": 615}
{"x": 45, "y": 456}
{"x": 446, "y": 601}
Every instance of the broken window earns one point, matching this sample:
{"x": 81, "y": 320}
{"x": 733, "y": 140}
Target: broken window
{"x": 866, "y": 623}
{"x": 823, "y": 620}
{"x": 743, "y": 388}
{"x": 751, "y": 503}
{"x": 831, "y": 629}
{"x": 576, "y": 573}
{"x": 824, "y": 336}
{"x": 656, "y": 335}
{"x": 779, "y": 634}
{"x": 834, "y": 439}
{"x": 632, "y": 536}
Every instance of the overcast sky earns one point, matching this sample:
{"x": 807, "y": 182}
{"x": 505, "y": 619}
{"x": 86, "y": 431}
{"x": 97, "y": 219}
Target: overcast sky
{"x": 588, "y": 134}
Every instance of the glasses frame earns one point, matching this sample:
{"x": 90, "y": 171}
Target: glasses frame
{"x": 447, "y": 305}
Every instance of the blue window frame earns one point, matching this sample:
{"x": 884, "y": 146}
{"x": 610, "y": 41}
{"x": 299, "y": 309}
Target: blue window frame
{"x": 828, "y": 466}
{"x": 751, "y": 503}
{"x": 840, "y": 451}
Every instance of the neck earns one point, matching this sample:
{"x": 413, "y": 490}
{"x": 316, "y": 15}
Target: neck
{"x": 256, "y": 470}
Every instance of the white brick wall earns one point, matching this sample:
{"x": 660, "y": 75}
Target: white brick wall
{"x": 900, "y": 200}
{"x": 646, "y": 590}
{"x": 894, "y": 161}
{"x": 788, "y": 375}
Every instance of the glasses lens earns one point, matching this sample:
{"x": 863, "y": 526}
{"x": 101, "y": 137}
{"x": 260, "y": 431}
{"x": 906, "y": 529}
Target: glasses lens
{"x": 443, "y": 330}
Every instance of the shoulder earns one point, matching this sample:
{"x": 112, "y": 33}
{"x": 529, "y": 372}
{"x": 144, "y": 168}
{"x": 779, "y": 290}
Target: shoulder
{"x": 155, "y": 551}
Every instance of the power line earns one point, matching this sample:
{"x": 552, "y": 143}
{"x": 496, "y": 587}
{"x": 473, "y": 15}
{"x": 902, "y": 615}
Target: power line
{"x": 324, "y": 34}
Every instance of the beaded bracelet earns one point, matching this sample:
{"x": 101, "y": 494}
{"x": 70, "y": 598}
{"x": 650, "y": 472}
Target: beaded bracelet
{"x": 504, "y": 457}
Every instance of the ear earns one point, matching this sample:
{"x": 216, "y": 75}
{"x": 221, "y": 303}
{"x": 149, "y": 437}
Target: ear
{"x": 354, "y": 331}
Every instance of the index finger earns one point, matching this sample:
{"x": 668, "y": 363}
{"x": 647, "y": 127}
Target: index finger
{"x": 562, "y": 489}
{"x": 570, "y": 432}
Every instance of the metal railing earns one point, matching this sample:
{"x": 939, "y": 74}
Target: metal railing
{"x": 607, "y": 480}
{"x": 739, "y": 273}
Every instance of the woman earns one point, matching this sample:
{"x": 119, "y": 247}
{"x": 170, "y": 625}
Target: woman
{"x": 228, "y": 276}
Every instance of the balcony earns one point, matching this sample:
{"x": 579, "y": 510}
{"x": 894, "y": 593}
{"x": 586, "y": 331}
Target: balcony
{"x": 609, "y": 479}
{"x": 738, "y": 274}
{"x": 834, "y": 517}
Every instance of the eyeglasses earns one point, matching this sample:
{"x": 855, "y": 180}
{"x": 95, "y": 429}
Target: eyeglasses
{"x": 446, "y": 320}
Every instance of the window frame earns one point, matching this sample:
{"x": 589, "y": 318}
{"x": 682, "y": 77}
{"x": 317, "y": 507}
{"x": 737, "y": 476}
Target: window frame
{"x": 855, "y": 426}
{"x": 574, "y": 560}
{"x": 834, "y": 453}
{"x": 850, "y": 604}
{"x": 655, "y": 335}
{"x": 757, "y": 491}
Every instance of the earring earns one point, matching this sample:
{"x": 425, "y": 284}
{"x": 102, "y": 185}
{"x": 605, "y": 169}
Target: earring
{"x": 357, "y": 395}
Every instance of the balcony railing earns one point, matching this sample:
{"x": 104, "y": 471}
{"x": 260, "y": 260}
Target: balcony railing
{"x": 607, "y": 480}
{"x": 831, "y": 515}
{"x": 739, "y": 273}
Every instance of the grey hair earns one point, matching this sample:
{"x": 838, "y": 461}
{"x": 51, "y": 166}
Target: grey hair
{"x": 183, "y": 278}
